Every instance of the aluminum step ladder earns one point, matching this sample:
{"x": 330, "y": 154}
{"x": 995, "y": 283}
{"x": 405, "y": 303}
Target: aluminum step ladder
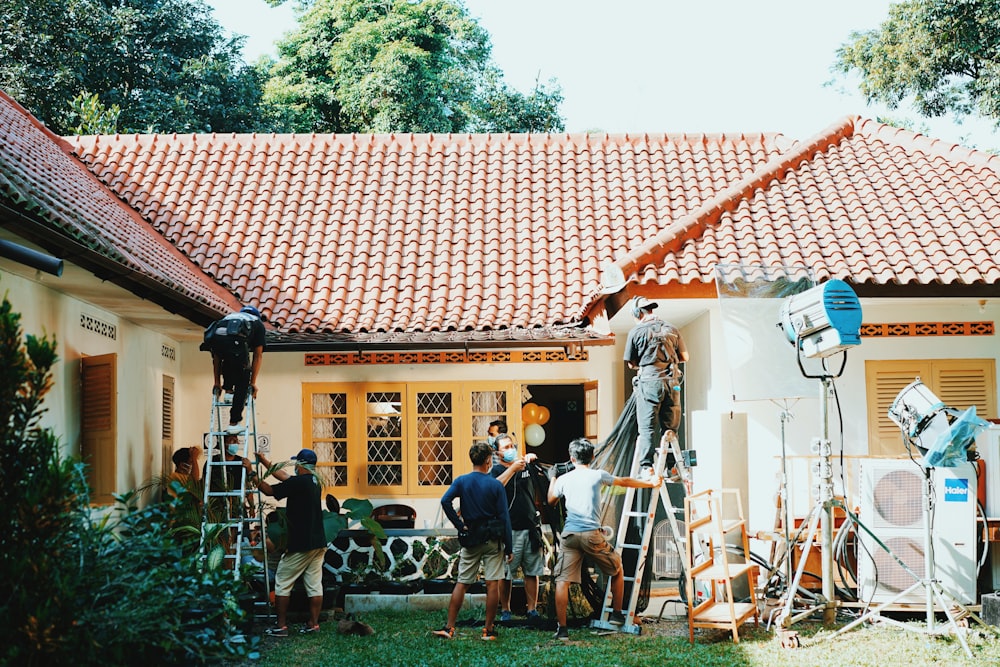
{"x": 233, "y": 508}
{"x": 644, "y": 515}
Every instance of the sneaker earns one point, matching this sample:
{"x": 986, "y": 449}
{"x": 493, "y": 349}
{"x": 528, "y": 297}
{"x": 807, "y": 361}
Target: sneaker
{"x": 533, "y": 615}
{"x": 277, "y": 632}
{"x": 445, "y": 633}
{"x": 307, "y": 629}
{"x": 489, "y": 635}
{"x": 234, "y": 429}
{"x": 616, "y": 618}
{"x": 561, "y": 634}
{"x": 646, "y": 475}
{"x": 504, "y": 616}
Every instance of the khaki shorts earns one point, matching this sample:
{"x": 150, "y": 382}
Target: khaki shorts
{"x": 305, "y": 564}
{"x": 590, "y": 544}
{"x": 525, "y": 557}
{"x": 489, "y": 554}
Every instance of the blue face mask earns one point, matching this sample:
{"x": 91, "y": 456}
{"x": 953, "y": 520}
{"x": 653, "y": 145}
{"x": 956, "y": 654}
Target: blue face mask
{"x": 491, "y": 440}
{"x": 509, "y": 455}
{"x": 233, "y": 449}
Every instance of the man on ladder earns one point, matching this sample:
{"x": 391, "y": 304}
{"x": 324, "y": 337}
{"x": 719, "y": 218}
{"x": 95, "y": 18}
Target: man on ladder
{"x": 237, "y": 346}
{"x": 581, "y": 535}
{"x": 231, "y": 507}
{"x": 656, "y": 349}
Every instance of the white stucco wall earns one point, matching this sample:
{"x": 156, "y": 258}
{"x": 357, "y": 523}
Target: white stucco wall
{"x": 140, "y": 369}
{"x": 738, "y": 442}
{"x": 714, "y": 421}
{"x": 279, "y": 400}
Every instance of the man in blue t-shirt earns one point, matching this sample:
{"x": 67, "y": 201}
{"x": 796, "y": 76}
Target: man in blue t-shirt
{"x": 581, "y": 535}
{"x": 483, "y": 504}
{"x": 306, "y": 537}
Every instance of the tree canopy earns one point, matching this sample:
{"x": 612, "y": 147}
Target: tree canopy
{"x": 398, "y": 66}
{"x": 103, "y": 66}
{"x": 943, "y": 55}
{"x": 165, "y": 64}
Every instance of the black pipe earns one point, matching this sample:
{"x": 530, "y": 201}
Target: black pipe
{"x": 32, "y": 258}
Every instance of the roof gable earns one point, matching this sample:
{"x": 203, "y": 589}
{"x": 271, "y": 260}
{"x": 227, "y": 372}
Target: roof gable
{"x": 53, "y": 200}
{"x": 861, "y": 201}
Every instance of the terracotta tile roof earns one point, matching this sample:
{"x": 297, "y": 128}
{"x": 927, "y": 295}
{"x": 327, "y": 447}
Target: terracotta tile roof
{"x": 53, "y": 200}
{"x": 861, "y": 201}
{"x": 345, "y": 234}
{"x": 381, "y": 238}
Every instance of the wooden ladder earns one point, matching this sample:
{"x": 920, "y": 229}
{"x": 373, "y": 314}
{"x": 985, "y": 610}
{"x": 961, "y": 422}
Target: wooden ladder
{"x": 714, "y": 519}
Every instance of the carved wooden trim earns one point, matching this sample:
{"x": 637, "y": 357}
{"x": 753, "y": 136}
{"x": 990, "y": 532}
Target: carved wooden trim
{"x": 444, "y": 357}
{"x": 911, "y": 329}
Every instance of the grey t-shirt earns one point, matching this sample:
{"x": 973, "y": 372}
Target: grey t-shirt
{"x": 582, "y": 490}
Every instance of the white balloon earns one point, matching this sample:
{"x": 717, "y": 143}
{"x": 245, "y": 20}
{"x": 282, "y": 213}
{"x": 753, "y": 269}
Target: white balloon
{"x": 534, "y": 434}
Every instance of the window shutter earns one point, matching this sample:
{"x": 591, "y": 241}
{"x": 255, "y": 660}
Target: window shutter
{"x": 959, "y": 383}
{"x": 167, "y": 423}
{"x": 98, "y": 393}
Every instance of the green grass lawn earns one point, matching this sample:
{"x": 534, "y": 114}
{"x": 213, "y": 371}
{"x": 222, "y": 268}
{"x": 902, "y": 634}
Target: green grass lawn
{"x": 403, "y": 638}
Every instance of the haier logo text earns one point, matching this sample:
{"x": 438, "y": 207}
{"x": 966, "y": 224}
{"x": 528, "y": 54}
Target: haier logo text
{"x": 956, "y": 490}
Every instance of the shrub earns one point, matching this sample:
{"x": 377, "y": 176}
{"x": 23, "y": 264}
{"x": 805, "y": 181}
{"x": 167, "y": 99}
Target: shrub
{"x": 123, "y": 589}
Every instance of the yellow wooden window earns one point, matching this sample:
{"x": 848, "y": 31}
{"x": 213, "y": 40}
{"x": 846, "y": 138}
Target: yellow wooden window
{"x": 959, "y": 383}
{"x": 398, "y": 439}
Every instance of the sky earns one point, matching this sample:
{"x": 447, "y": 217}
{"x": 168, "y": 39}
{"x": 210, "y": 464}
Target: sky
{"x": 668, "y": 65}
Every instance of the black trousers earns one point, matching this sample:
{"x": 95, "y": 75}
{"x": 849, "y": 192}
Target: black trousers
{"x": 236, "y": 380}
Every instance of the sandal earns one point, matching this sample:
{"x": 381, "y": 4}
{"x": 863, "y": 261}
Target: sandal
{"x": 277, "y": 632}
{"x": 306, "y": 629}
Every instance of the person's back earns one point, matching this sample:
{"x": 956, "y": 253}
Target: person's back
{"x": 581, "y": 491}
{"x": 237, "y": 344}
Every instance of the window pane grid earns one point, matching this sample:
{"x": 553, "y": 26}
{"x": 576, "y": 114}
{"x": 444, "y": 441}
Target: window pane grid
{"x": 328, "y": 437}
{"x": 435, "y": 438}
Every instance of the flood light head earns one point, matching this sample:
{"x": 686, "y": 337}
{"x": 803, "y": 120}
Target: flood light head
{"x": 823, "y": 320}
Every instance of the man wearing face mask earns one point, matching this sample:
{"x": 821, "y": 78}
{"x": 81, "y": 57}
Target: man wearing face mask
{"x": 306, "y": 538}
{"x": 496, "y": 429}
{"x": 512, "y": 471}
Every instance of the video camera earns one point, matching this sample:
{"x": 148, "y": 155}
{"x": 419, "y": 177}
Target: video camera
{"x": 558, "y": 469}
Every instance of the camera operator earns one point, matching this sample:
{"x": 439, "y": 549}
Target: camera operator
{"x": 581, "y": 535}
{"x": 514, "y": 473}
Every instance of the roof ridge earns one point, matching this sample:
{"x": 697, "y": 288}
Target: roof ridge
{"x": 693, "y": 224}
{"x": 938, "y": 147}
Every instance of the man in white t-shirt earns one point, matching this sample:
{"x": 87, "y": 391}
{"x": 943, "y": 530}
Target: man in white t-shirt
{"x": 581, "y": 535}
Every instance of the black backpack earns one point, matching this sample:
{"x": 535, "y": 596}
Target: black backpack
{"x": 229, "y": 339}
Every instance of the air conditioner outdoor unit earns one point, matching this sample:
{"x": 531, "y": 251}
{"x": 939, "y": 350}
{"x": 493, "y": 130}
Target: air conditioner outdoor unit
{"x": 988, "y": 446}
{"x": 892, "y": 507}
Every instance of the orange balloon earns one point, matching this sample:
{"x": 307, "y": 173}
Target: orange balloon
{"x": 543, "y": 415}
{"x": 529, "y": 413}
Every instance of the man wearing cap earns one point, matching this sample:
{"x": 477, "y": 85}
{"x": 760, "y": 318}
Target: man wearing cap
{"x": 236, "y": 370}
{"x": 656, "y": 349}
{"x": 306, "y": 538}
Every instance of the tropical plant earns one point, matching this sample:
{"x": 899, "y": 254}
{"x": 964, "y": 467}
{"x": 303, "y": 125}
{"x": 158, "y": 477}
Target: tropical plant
{"x": 80, "y": 585}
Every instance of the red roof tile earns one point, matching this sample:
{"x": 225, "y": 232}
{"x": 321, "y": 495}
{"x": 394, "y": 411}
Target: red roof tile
{"x": 370, "y": 235}
{"x": 416, "y": 233}
{"x": 861, "y": 201}
{"x": 62, "y": 207}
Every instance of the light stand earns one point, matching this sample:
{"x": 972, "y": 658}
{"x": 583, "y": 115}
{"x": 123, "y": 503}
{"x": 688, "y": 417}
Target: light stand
{"x": 932, "y": 586}
{"x": 820, "y": 322}
{"x": 820, "y": 516}
{"x": 933, "y": 589}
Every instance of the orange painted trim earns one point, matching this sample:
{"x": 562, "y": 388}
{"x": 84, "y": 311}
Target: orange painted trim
{"x": 445, "y": 357}
{"x": 910, "y": 329}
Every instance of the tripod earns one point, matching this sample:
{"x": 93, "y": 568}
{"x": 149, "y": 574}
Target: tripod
{"x": 820, "y": 518}
{"x": 933, "y": 589}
